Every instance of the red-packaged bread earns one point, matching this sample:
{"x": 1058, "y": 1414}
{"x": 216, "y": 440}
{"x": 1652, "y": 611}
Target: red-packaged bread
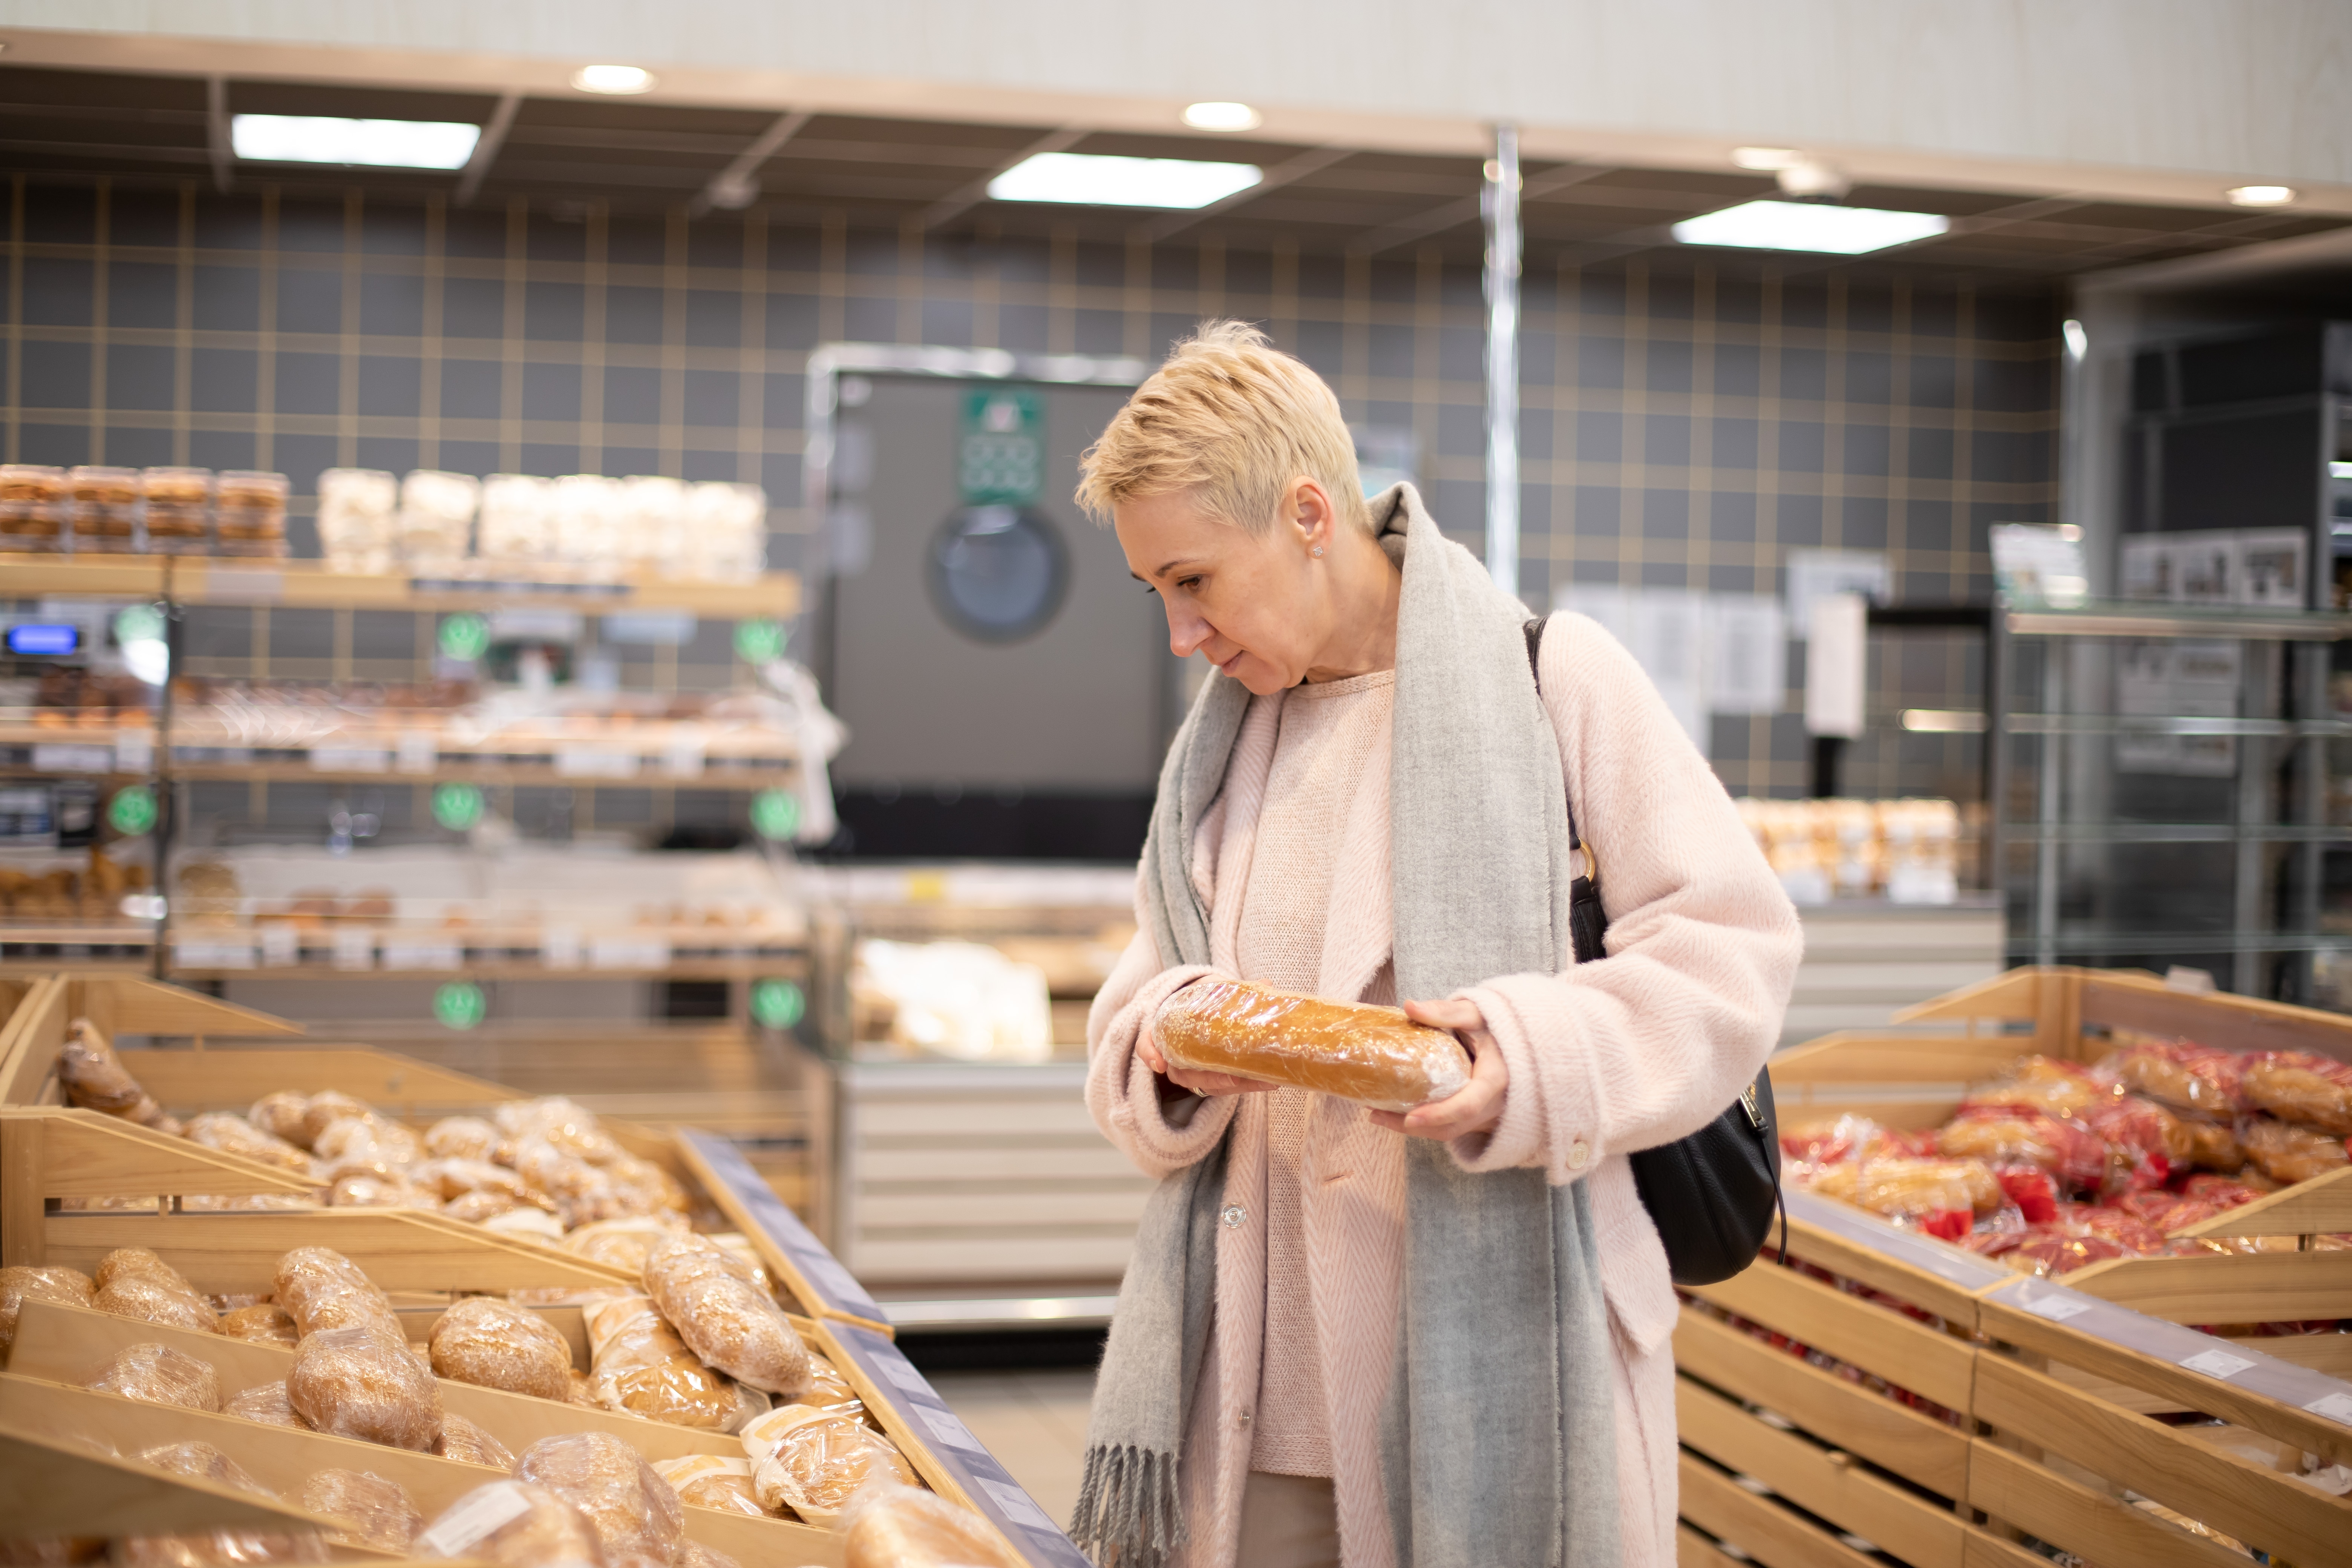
{"x": 1372, "y": 1054}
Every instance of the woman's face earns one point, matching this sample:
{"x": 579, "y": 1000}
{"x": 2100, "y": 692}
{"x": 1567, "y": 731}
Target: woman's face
{"x": 1250, "y": 603}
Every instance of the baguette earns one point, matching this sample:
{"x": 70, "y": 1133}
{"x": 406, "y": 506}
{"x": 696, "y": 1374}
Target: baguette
{"x": 1371, "y": 1055}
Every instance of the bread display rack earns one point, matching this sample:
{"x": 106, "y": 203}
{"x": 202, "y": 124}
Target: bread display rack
{"x": 50, "y": 1152}
{"x": 1895, "y": 1393}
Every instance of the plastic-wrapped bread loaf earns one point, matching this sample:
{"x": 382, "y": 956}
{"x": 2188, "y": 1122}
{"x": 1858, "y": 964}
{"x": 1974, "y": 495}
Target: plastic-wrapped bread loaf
{"x": 322, "y": 1110}
{"x": 692, "y": 1553}
{"x": 266, "y": 1324}
{"x": 268, "y": 1403}
{"x": 497, "y": 1344}
{"x": 813, "y": 1463}
{"x": 713, "y": 1481}
{"x": 829, "y": 1390}
{"x": 452, "y": 1176}
{"x": 723, "y": 1315}
{"x": 2287, "y": 1154}
{"x": 374, "y": 1512}
{"x": 321, "y": 1289}
{"x": 280, "y": 1113}
{"x": 160, "y": 1374}
{"x": 515, "y": 1526}
{"x": 1371, "y": 1055}
{"x": 465, "y": 1137}
{"x": 95, "y": 1079}
{"x": 236, "y": 1135}
{"x": 622, "y": 1244}
{"x": 2296, "y": 1085}
{"x": 468, "y": 1445}
{"x": 1913, "y": 1187}
{"x": 360, "y": 1383}
{"x": 570, "y": 1128}
{"x": 634, "y": 1512}
{"x": 132, "y": 1282}
{"x": 23, "y": 1282}
{"x": 642, "y": 1368}
{"x": 903, "y": 1527}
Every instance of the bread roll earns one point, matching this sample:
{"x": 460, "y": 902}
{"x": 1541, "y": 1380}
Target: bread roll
{"x": 364, "y": 1146}
{"x": 516, "y": 1526}
{"x": 236, "y": 1135}
{"x": 496, "y": 1344}
{"x": 95, "y": 1078}
{"x": 692, "y": 1553}
{"x": 634, "y": 1512}
{"x": 266, "y": 1324}
{"x": 324, "y": 1109}
{"x": 374, "y": 1512}
{"x": 2296, "y": 1085}
{"x": 712, "y": 1481}
{"x": 1372, "y": 1054}
{"x": 622, "y": 1244}
{"x": 321, "y": 1289}
{"x": 157, "y": 1296}
{"x": 476, "y": 1208}
{"x": 203, "y": 1462}
{"x": 468, "y": 1444}
{"x": 465, "y": 1137}
{"x": 362, "y": 1190}
{"x": 265, "y": 1402}
{"x": 529, "y": 1223}
{"x": 451, "y": 1176}
{"x": 360, "y": 1382}
{"x": 556, "y": 1121}
{"x": 281, "y": 1115}
{"x": 901, "y": 1527}
{"x": 1912, "y": 1188}
{"x": 723, "y": 1317}
{"x": 160, "y": 1374}
{"x": 819, "y": 1462}
{"x": 23, "y": 1282}
{"x": 829, "y": 1390}
{"x": 125, "y": 1261}
{"x": 2287, "y": 1154}
{"x": 2182, "y": 1074}
{"x": 641, "y": 1367}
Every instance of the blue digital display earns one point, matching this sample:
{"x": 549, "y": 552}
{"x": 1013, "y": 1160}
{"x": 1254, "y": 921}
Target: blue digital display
{"x": 44, "y": 638}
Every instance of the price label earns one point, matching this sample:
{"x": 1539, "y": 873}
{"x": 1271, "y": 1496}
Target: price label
{"x": 354, "y": 948}
{"x": 418, "y": 751}
{"x": 423, "y": 953}
{"x": 629, "y": 952}
{"x": 59, "y": 757}
{"x": 2217, "y": 1363}
{"x": 134, "y": 751}
{"x": 2058, "y": 1309}
{"x": 683, "y": 759}
{"x": 350, "y": 760}
{"x": 1019, "y": 1506}
{"x": 281, "y": 945}
{"x": 949, "y": 1430}
{"x": 213, "y": 952}
{"x": 595, "y": 763}
{"x": 560, "y": 948}
{"x": 2334, "y": 1406}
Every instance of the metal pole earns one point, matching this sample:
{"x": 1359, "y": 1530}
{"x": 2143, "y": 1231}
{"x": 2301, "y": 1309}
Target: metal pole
{"x": 1501, "y": 205}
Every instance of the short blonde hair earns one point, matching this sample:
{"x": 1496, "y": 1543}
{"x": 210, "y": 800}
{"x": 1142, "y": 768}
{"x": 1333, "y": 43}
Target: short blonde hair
{"x": 1233, "y": 419}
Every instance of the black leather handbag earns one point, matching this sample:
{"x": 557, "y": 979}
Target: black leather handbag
{"x": 1712, "y": 1194}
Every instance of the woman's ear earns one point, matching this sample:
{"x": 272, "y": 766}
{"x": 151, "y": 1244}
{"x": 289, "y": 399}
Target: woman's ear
{"x": 1310, "y": 511}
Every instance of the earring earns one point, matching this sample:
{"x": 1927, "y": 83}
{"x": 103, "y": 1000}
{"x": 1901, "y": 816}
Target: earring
{"x": 1316, "y": 550}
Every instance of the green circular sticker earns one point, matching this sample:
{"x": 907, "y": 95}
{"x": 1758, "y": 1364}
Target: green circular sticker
{"x": 131, "y": 811}
{"x": 139, "y": 623}
{"x": 757, "y": 642}
{"x": 466, "y": 636}
{"x": 459, "y": 1005}
{"x": 776, "y": 813}
{"x": 778, "y": 1003}
{"x": 457, "y": 806}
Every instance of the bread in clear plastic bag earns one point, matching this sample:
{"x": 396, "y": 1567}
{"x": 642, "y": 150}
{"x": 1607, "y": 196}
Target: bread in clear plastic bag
{"x": 546, "y": 1169}
{"x": 890, "y": 1526}
{"x": 1912, "y": 1187}
{"x": 692, "y": 1553}
{"x": 266, "y": 1324}
{"x": 468, "y": 1444}
{"x": 2288, "y": 1154}
{"x": 281, "y": 1113}
{"x": 571, "y": 1129}
{"x": 817, "y": 1462}
{"x": 220, "y": 1549}
{"x": 530, "y": 1224}
{"x": 723, "y": 1316}
{"x": 450, "y": 1176}
{"x": 268, "y": 1403}
{"x": 828, "y": 1391}
{"x": 155, "y": 1299}
{"x": 641, "y": 1367}
{"x": 642, "y": 1187}
{"x": 125, "y": 1261}
{"x": 205, "y": 1462}
{"x": 515, "y": 1525}
{"x": 95, "y": 1080}
{"x": 321, "y": 1289}
{"x": 362, "y": 1383}
{"x": 2298, "y": 1086}
{"x": 478, "y": 1208}
{"x": 364, "y": 1146}
{"x": 1375, "y": 1056}
{"x": 712, "y": 1481}
{"x": 365, "y": 1190}
{"x": 621, "y": 1244}
{"x": 324, "y": 1109}
{"x": 636, "y": 1513}
{"x": 497, "y": 1344}
{"x": 374, "y": 1512}
{"x": 160, "y": 1374}
{"x": 465, "y": 1137}
{"x": 2182, "y": 1074}
{"x": 23, "y": 1282}
{"x": 235, "y": 1135}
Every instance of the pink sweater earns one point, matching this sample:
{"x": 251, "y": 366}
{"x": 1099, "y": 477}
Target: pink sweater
{"x": 1604, "y": 1058}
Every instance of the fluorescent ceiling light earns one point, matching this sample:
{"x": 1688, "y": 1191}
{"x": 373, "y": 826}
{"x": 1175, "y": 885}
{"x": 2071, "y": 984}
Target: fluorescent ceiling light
{"x": 1121, "y": 182}
{"x": 1765, "y": 160}
{"x": 1810, "y": 226}
{"x": 2260, "y": 196}
{"x": 1223, "y": 117}
{"x": 612, "y": 79}
{"x": 382, "y": 144}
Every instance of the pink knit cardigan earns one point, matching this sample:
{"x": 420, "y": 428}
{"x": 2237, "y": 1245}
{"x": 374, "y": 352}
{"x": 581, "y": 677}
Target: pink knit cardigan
{"x": 1604, "y": 1058}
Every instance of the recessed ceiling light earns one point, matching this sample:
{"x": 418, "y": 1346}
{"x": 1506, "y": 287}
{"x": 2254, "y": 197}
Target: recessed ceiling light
{"x": 1765, "y": 160}
{"x": 1104, "y": 181}
{"x": 378, "y": 144}
{"x": 2261, "y": 196}
{"x": 1223, "y": 117}
{"x": 612, "y": 79}
{"x": 1810, "y": 226}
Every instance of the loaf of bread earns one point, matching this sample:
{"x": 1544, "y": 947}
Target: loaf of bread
{"x": 265, "y": 1402}
{"x": 236, "y": 1135}
{"x": 374, "y": 1513}
{"x": 817, "y": 1462}
{"x": 23, "y": 1282}
{"x": 478, "y": 1208}
{"x": 2183, "y": 1074}
{"x": 888, "y": 1526}
{"x": 160, "y": 1374}
{"x": 2287, "y": 1154}
{"x": 556, "y": 1121}
{"x": 132, "y": 1282}
{"x": 468, "y": 1444}
{"x": 692, "y": 1553}
{"x": 203, "y": 1462}
{"x": 723, "y": 1315}
{"x": 321, "y": 1290}
{"x": 362, "y": 1190}
{"x": 641, "y": 1367}
{"x": 2297, "y": 1086}
{"x": 829, "y": 1390}
{"x": 1912, "y": 1188}
{"x": 95, "y": 1080}
{"x": 324, "y": 1109}
{"x": 266, "y": 1324}
{"x": 362, "y": 1383}
{"x": 634, "y": 1512}
{"x": 465, "y": 1137}
{"x": 1371, "y": 1055}
{"x": 713, "y": 1481}
{"x": 281, "y": 1113}
{"x": 622, "y": 1244}
{"x": 497, "y": 1344}
{"x": 363, "y": 1146}
{"x": 454, "y": 1175}
{"x": 515, "y": 1526}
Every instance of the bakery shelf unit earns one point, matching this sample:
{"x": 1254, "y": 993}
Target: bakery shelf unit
{"x": 2174, "y": 788}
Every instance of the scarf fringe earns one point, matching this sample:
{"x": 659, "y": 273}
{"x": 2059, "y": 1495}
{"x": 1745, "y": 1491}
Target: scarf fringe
{"x": 1128, "y": 1512}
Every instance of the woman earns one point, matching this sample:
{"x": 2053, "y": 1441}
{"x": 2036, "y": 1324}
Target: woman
{"x": 1351, "y": 1336}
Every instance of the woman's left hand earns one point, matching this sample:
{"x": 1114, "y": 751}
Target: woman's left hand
{"x": 1476, "y": 1105}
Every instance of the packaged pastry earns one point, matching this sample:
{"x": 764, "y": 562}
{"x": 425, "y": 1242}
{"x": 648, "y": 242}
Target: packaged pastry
{"x": 282, "y": 1114}
{"x": 325, "y": 1109}
{"x": 636, "y": 1513}
{"x": 532, "y": 1224}
{"x": 829, "y": 1390}
{"x": 560, "y": 1123}
{"x": 95, "y": 1079}
{"x": 819, "y": 1462}
{"x": 726, "y": 1319}
{"x": 1944, "y": 1196}
{"x": 360, "y": 1383}
{"x": 220, "y": 1549}
{"x": 450, "y": 1176}
{"x": 2287, "y": 1154}
{"x": 2297, "y": 1086}
{"x": 497, "y": 1344}
{"x": 321, "y": 1289}
{"x": 640, "y": 1367}
{"x": 480, "y": 1208}
{"x": 888, "y": 1526}
{"x": 714, "y": 1481}
{"x": 204, "y": 1462}
{"x": 2183, "y": 1074}
{"x": 546, "y": 1169}
{"x": 2018, "y": 1134}
{"x": 622, "y": 1244}
{"x": 515, "y": 1526}
{"x": 360, "y": 1190}
{"x": 464, "y": 1138}
{"x": 468, "y": 1444}
{"x": 1372, "y": 1054}
{"x": 642, "y": 1187}
{"x": 692, "y": 1553}
{"x": 125, "y": 1261}
{"x": 23, "y": 1282}
{"x": 266, "y": 1324}
{"x": 160, "y": 1374}
{"x": 132, "y": 1282}
{"x": 364, "y": 1145}
{"x": 373, "y": 1511}
{"x": 268, "y": 1403}
{"x": 236, "y": 1135}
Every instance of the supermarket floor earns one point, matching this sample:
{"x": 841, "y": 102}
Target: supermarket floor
{"x": 1033, "y": 1420}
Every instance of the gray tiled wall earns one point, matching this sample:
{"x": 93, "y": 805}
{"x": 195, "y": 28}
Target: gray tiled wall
{"x": 1682, "y": 427}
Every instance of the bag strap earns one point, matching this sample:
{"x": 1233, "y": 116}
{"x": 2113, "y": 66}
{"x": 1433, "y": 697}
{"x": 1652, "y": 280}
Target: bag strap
{"x": 1588, "y": 920}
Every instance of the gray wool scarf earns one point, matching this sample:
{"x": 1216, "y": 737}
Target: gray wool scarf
{"x": 1498, "y": 1441}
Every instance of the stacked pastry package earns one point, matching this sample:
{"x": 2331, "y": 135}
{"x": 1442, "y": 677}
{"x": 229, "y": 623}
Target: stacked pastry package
{"x": 2059, "y": 1164}
{"x": 1906, "y": 851}
{"x": 435, "y": 526}
{"x": 356, "y": 511}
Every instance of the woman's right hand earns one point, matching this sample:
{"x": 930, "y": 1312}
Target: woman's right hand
{"x": 1210, "y": 1083}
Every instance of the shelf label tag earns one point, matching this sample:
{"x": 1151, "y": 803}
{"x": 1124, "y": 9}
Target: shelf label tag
{"x": 629, "y": 952}
{"x": 419, "y": 752}
{"x": 423, "y": 953}
{"x": 354, "y": 948}
{"x": 682, "y": 759}
{"x": 559, "y": 947}
{"x": 595, "y": 763}
{"x": 2334, "y": 1406}
{"x": 212, "y": 952}
{"x": 281, "y": 944}
{"x": 61, "y": 757}
{"x": 257, "y": 584}
{"x": 2217, "y": 1363}
{"x": 1019, "y": 1506}
{"x": 2058, "y": 1309}
{"x": 350, "y": 760}
{"x": 134, "y": 751}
